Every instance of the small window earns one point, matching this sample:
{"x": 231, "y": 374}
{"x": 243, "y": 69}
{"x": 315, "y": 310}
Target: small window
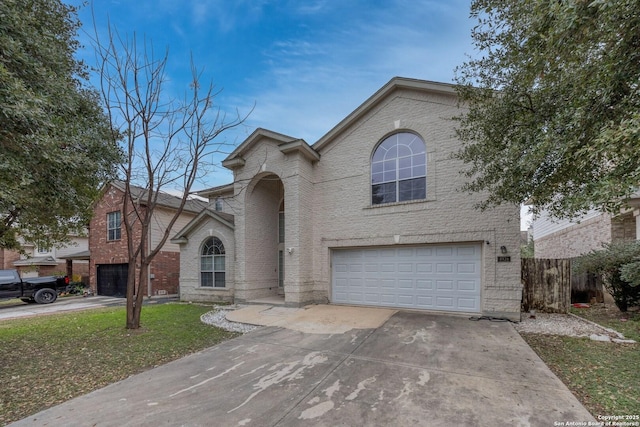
{"x": 399, "y": 169}
{"x": 43, "y": 248}
{"x": 218, "y": 204}
{"x": 281, "y": 223}
{"x": 113, "y": 226}
{"x": 281, "y": 227}
{"x": 212, "y": 264}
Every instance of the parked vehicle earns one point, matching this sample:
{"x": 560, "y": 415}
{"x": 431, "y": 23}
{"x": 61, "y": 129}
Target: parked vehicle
{"x": 43, "y": 290}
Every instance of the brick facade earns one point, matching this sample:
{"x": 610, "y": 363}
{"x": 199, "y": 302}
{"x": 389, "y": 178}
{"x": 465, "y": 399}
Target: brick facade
{"x": 327, "y": 199}
{"x": 588, "y": 235}
{"x": 7, "y": 258}
{"x": 576, "y": 239}
{"x": 165, "y": 267}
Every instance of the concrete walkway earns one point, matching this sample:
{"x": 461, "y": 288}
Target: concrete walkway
{"x": 412, "y": 369}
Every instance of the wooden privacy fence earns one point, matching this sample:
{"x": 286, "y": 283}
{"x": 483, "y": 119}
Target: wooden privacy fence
{"x": 546, "y": 285}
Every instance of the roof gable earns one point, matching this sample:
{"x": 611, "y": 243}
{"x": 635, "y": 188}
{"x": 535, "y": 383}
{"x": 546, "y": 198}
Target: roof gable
{"x": 287, "y": 144}
{"x": 383, "y": 93}
{"x": 222, "y": 218}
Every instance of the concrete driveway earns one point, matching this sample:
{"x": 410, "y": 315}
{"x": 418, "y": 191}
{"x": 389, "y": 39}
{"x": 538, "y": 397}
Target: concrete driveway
{"x": 413, "y": 369}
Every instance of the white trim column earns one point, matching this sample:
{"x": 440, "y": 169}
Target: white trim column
{"x": 636, "y": 214}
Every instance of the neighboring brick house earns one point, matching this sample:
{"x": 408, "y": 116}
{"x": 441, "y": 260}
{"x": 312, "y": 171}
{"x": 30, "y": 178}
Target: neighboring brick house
{"x": 571, "y": 238}
{"x": 108, "y": 265}
{"x": 368, "y": 215}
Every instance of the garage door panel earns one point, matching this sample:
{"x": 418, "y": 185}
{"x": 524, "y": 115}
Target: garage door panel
{"x": 388, "y": 283}
{"x": 466, "y": 267}
{"x": 405, "y": 267}
{"x": 422, "y": 267}
{"x": 424, "y": 284}
{"x": 467, "y": 286}
{"x": 406, "y": 300}
{"x": 405, "y": 284}
{"x": 405, "y": 253}
{"x": 371, "y": 268}
{"x": 424, "y": 302}
{"x": 388, "y": 299}
{"x": 386, "y": 253}
{"x": 444, "y": 252}
{"x": 387, "y": 268}
{"x": 355, "y": 267}
{"x": 436, "y": 277}
{"x": 444, "y": 268}
{"x": 468, "y": 303}
{"x": 466, "y": 251}
{"x": 444, "y": 285}
{"x": 371, "y": 283}
{"x": 444, "y": 303}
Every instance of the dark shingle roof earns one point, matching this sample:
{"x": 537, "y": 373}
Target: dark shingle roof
{"x": 164, "y": 199}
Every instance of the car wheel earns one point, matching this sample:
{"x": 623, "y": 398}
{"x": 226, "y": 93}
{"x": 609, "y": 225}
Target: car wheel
{"x": 28, "y": 300}
{"x": 45, "y": 296}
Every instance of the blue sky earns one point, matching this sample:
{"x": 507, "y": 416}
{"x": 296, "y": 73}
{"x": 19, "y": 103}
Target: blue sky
{"x": 305, "y": 65}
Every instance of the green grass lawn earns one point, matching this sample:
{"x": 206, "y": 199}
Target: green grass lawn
{"x": 50, "y": 359}
{"x": 604, "y": 376}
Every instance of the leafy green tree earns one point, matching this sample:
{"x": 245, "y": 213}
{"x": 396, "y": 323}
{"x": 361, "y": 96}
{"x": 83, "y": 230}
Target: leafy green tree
{"x": 617, "y": 264}
{"x": 554, "y": 103}
{"x": 528, "y": 250}
{"x": 55, "y": 139}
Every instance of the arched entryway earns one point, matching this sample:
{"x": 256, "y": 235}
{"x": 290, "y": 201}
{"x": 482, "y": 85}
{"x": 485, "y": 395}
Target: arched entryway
{"x": 265, "y": 237}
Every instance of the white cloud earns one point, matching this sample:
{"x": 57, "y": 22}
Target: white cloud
{"x": 309, "y": 84}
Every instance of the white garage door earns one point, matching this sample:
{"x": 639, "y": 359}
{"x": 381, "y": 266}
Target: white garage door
{"x": 434, "y": 277}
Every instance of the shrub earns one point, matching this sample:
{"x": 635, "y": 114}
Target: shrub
{"x": 618, "y": 264}
{"x": 631, "y": 273}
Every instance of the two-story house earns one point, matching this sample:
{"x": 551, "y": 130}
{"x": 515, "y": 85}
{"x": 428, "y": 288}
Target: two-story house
{"x": 108, "y": 266}
{"x": 370, "y": 214}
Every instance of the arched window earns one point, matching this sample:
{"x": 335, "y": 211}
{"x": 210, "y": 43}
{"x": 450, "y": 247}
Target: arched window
{"x": 399, "y": 169}
{"x": 212, "y": 274}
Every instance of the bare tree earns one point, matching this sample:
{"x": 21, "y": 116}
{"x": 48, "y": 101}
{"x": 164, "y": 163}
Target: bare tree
{"x": 168, "y": 143}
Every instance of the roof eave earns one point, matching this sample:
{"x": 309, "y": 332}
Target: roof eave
{"x": 215, "y": 191}
{"x": 181, "y": 236}
{"x": 300, "y": 146}
{"x": 233, "y": 163}
{"x": 383, "y": 92}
